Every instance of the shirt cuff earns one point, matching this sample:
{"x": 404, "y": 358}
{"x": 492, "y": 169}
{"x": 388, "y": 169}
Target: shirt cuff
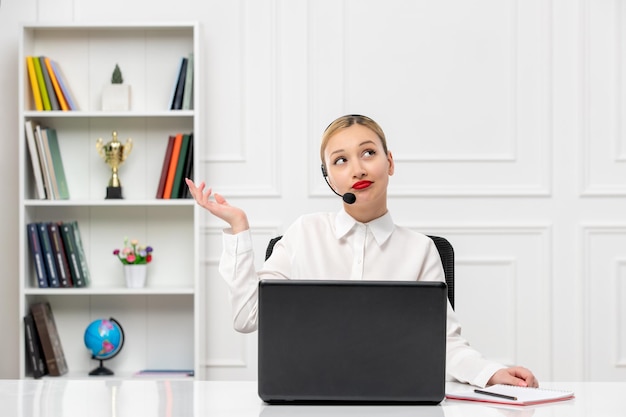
{"x": 236, "y": 244}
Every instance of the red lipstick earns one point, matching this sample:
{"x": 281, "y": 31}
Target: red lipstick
{"x": 361, "y": 185}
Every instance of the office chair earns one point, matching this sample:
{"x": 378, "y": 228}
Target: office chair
{"x": 446, "y": 253}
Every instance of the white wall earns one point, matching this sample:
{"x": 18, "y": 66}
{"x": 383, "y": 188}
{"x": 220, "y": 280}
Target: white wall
{"x": 505, "y": 122}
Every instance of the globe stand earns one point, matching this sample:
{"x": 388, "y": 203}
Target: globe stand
{"x": 101, "y": 370}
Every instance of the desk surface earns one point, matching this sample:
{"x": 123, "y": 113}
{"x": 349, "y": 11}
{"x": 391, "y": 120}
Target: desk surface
{"x": 176, "y": 398}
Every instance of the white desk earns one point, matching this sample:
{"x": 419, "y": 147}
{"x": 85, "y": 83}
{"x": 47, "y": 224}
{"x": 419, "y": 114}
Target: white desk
{"x": 176, "y": 398}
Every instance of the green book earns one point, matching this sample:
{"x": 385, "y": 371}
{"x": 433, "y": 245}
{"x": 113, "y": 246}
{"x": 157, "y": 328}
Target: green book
{"x": 69, "y": 243}
{"x": 180, "y": 166}
{"x": 54, "y": 102}
{"x": 42, "y": 84}
{"x": 57, "y": 162}
{"x": 82, "y": 258}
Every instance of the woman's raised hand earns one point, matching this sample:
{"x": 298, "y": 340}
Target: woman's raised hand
{"x": 218, "y": 206}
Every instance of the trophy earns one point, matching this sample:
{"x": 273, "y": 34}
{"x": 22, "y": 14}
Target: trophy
{"x": 114, "y": 154}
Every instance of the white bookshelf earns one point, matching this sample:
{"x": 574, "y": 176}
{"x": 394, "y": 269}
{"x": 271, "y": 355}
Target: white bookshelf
{"x": 161, "y": 320}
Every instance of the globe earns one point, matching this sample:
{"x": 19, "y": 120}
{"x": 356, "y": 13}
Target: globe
{"x": 104, "y": 338}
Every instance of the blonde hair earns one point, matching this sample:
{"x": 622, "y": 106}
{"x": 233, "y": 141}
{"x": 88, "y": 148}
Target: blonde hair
{"x": 346, "y": 121}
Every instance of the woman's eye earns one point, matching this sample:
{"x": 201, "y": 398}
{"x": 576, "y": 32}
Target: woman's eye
{"x": 369, "y": 152}
{"x": 340, "y": 161}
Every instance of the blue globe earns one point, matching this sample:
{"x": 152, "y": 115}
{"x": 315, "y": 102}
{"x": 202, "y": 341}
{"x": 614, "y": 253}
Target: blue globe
{"x": 104, "y": 338}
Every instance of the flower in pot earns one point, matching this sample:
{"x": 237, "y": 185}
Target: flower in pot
{"x": 116, "y": 95}
{"x": 133, "y": 253}
{"x": 135, "y": 258}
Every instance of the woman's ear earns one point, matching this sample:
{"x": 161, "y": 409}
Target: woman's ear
{"x": 391, "y": 163}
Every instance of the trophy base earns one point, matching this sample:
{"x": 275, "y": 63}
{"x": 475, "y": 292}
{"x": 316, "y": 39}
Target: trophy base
{"x": 114, "y": 193}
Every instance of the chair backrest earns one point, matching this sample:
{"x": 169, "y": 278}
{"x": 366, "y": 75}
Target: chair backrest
{"x": 446, "y": 253}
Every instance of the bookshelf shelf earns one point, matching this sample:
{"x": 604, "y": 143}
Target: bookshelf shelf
{"x": 149, "y": 56}
{"x": 76, "y": 292}
{"x": 111, "y": 203}
{"x": 78, "y": 114}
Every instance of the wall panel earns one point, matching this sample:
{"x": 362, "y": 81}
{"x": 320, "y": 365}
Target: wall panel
{"x": 604, "y": 279}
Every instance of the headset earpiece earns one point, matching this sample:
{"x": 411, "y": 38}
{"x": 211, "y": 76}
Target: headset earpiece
{"x": 324, "y": 173}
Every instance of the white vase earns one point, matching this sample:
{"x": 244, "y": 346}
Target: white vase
{"x": 116, "y": 97}
{"x": 135, "y": 275}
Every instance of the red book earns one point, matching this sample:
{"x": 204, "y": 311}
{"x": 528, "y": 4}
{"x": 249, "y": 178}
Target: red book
{"x": 171, "y": 173}
{"x": 166, "y": 166}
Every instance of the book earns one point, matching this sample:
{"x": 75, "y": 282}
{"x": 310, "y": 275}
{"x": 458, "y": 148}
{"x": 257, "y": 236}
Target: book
{"x": 36, "y": 253}
{"x": 71, "y": 251}
{"x": 54, "y": 102}
{"x": 180, "y": 166}
{"x": 43, "y": 159}
{"x": 65, "y": 88}
{"x": 57, "y": 163}
{"x": 188, "y": 89}
{"x": 173, "y": 94}
{"x": 49, "y": 163}
{"x": 81, "y": 252}
{"x": 177, "y": 104}
{"x": 42, "y": 84}
{"x": 187, "y": 171}
{"x": 35, "y": 360}
{"x": 171, "y": 173}
{"x": 510, "y": 394}
{"x": 164, "y": 373}
{"x": 49, "y": 337}
{"x": 35, "y": 160}
{"x": 34, "y": 84}
{"x": 165, "y": 166}
{"x": 63, "y": 266}
{"x": 55, "y": 85}
{"x": 48, "y": 255}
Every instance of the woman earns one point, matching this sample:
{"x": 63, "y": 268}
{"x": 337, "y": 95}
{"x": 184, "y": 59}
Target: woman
{"x": 358, "y": 242}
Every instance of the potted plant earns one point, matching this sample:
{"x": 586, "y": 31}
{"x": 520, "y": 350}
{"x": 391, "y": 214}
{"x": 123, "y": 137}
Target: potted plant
{"x": 116, "y": 95}
{"x": 135, "y": 258}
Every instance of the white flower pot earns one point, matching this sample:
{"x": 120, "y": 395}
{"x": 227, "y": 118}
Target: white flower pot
{"x": 116, "y": 97}
{"x": 135, "y": 275}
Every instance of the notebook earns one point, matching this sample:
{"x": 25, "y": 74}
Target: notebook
{"x": 509, "y": 394}
{"x": 326, "y": 341}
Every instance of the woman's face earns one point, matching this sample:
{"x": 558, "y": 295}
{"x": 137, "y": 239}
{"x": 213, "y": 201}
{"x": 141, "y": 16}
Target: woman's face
{"x": 356, "y": 162}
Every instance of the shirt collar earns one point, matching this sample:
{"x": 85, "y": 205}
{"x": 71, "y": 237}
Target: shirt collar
{"x": 381, "y": 227}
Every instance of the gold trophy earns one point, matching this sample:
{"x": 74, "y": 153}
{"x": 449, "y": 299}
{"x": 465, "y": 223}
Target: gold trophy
{"x": 114, "y": 154}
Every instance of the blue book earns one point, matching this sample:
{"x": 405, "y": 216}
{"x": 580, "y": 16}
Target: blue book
{"x": 177, "y": 102}
{"x": 48, "y": 254}
{"x": 37, "y": 254}
{"x": 67, "y": 93}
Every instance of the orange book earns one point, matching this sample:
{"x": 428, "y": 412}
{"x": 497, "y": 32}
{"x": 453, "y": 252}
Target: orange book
{"x": 34, "y": 84}
{"x": 55, "y": 84}
{"x": 171, "y": 173}
{"x": 166, "y": 166}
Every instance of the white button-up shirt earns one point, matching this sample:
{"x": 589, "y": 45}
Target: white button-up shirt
{"x": 335, "y": 246}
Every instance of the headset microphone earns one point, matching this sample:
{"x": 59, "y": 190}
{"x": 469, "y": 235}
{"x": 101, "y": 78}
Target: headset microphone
{"x": 348, "y": 198}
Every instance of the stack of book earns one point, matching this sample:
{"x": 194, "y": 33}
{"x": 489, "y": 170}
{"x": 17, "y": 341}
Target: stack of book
{"x": 49, "y": 87}
{"x": 177, "y": 165}
{"x": 45, "y": 157}
{"x": 57, "y": 253}
{"x": 45, "y": 355}
{"x": 182, "y": 92}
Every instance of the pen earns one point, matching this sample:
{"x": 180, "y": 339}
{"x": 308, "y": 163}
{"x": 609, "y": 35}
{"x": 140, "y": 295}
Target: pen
{"x": 495, "y": 394}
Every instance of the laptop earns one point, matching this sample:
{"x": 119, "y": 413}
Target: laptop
{"x": 327, "y": 341}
